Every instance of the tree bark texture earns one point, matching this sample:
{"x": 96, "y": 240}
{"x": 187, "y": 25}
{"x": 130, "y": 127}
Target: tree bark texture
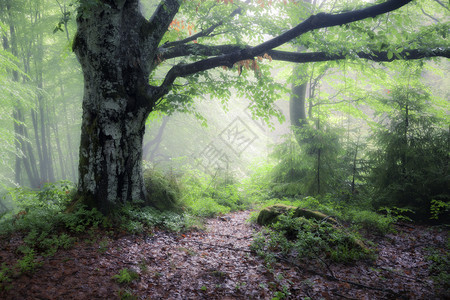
{"x": 115, "y": 62}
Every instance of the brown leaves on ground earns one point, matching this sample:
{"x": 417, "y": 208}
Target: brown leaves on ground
{"x": 218, "y": 264}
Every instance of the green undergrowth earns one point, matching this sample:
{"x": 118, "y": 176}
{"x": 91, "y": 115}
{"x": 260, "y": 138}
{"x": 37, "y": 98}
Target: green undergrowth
{"x": 136, "y": 219}
{"x": 326, "y": 240}
{"x": 195, "y": 193}
{"x": 350, "y": 215}
{"x": 302, "y": 240}
{"x": 207, "y": 195}
{"x": 439, "y": 268}
{"x": 43, "y": 224}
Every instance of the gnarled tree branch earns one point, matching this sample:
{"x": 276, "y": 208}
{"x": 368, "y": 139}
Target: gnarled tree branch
{"x": 158, "y": 24}
{"x": 320, "y": 20}
{"x": 377, "y": 56}
{"x": 197, "y": 49}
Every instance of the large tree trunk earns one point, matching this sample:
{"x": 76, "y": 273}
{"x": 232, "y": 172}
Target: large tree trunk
{"x": 116, "y": 65}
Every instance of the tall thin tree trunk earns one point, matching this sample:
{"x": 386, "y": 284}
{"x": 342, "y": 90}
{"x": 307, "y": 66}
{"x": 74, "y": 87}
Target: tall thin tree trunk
{"x": 297, "y": 101}
{"x": 318, "y": 171}
{"x": 34, "y": 118}
{"x": 319, "y": 152}
{"x": 24, "y": 153}
{"x": 62, "y": 166}
{"x": 70, "y": 148}
{"x": 45, "y": 163}
{"x": 51, "y": 169}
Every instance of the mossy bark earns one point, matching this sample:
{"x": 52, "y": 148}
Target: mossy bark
{"x": 116, "y": 61}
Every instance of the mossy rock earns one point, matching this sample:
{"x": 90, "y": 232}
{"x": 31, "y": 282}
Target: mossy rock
{"x": 313, "y": 214}
{"x": 269, "y": 215}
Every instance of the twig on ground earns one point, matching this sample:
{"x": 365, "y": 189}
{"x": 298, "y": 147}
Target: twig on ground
{"x": 220, "y": 246}
{"x": 401, "y": 275}
{"x": 334, "y": 278}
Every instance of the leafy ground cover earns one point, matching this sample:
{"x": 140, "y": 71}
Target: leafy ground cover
{"x": 218, "y": 263}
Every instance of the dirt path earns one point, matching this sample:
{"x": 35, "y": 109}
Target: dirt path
{"x": 218, "y": 264}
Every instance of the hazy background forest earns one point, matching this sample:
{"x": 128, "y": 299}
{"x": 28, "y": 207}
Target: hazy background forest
{"x": 328, "y": 157}
{"x": 376, "y": 134}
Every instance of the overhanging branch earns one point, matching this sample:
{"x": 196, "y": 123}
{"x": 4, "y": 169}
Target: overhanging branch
{"x": 377, "y": 56}
{"x": 320, "y": 20}
{"x": 197, "y": 49}
{"x": 305, "y": 57}
{"x": 323, "y": 20}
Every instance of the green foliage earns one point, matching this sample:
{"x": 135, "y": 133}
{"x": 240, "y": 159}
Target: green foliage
{"x": 28, "y": 263}
{"x": 410, "y": 165}
{"x": 353, "y": 214}
{"x": 52, "y": 196}
{"x": 5, "y": 277}
{"x": 437, "y": 208}
{"x": 207, "y": 196}
{"x": 125, "y": 294}
{"x": 396, "y": 213}
{"x": 125, "y": 276}
{"x": 163, "y": 190}
{"x": 310, "y": 162}
{"x": 136, "y": 219}
{"x": 103, "y": 246}
{"x": 307, "y": 239}
{"x": 47, "y": 243}
{"x": 207, "y": 207}
{"x": 44, "y": 225}
{"x": 439, "y": 267}
{"x": 81, "y": 219}
{"x": 369, "y": 221}
{"x": 256, "y": 186}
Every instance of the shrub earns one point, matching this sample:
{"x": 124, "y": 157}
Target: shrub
{"x": 439, "y": 268}
{"x": 125, "y": 276}
{"x": 207, "y": 207}
{"x": 369, "y": 221}
{"x": 410, "y": 164}
{"x": 54, "y": 196}
{"x": 136, "y": 219}
{"x": 163, "y": 190}
{"x": 205, "y": 196}
{"x": 305, "y": 239}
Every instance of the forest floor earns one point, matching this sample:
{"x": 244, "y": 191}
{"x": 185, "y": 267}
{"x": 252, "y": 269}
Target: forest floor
{"x": 216, "y": 263}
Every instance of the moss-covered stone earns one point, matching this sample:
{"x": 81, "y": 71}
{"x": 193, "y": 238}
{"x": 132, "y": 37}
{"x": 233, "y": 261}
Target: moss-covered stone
{"x": 303, "y": 219}
{"x": 269, "y": 215}
{"x": 313, "y": 214}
